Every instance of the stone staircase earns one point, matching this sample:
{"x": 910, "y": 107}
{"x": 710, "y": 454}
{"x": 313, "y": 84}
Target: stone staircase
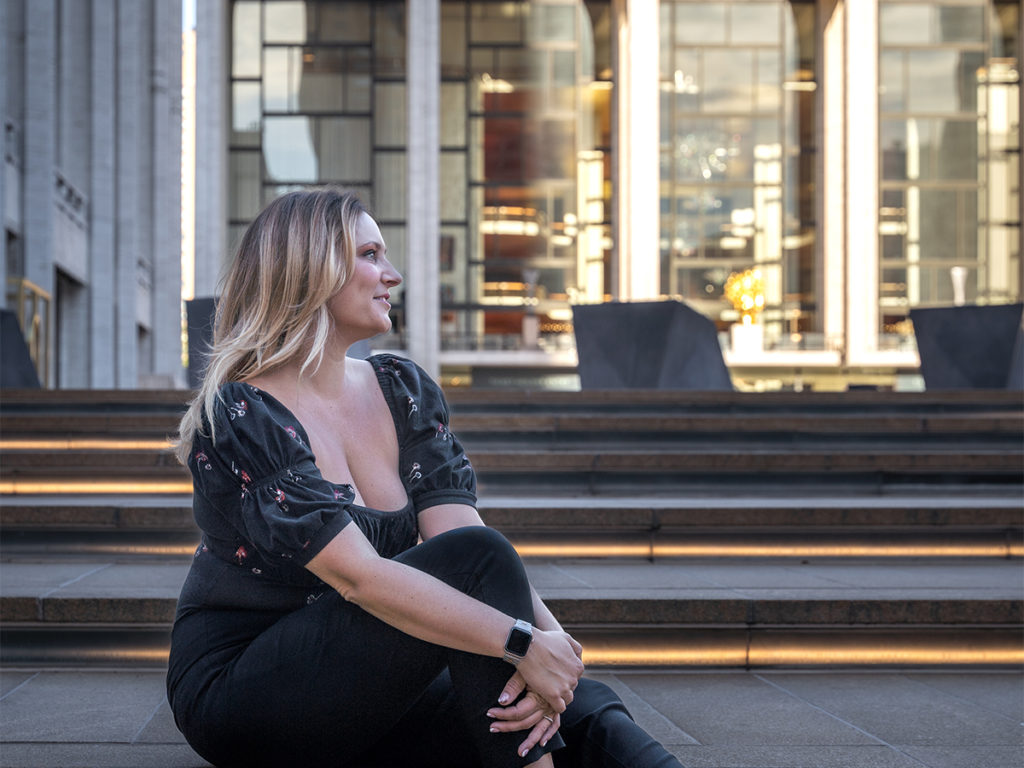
{"x": 664, "y": 528}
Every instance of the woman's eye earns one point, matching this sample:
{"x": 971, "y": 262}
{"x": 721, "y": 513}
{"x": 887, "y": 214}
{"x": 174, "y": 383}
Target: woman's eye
{"x": 371, "y": 255}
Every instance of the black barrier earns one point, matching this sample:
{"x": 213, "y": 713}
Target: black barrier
{"x": 970, "y": 347}
{"x": 16, "y": 368}
{"x": 648, "y": 345}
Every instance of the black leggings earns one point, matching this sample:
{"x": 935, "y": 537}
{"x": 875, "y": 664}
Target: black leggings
{"x": 330, "y": 685}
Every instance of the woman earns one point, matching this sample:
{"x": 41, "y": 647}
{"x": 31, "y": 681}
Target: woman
{"x": 313, "y": 628}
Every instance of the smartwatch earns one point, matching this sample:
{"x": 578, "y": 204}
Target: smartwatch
{"x": 518, "y": 642}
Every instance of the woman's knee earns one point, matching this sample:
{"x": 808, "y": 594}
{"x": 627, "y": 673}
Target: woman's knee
{"x": 592, "y": 699}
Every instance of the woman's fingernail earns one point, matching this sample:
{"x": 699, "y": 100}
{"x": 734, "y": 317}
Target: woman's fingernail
{"x": 491, "y": 715}
{"x": 523, "y": 753}
{"x": 493, "y": 729}
{"x": 503, "y": 699}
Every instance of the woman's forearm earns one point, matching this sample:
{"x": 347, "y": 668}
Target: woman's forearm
{"x": 408, "y": 599}
{"x": 543, "y": 618}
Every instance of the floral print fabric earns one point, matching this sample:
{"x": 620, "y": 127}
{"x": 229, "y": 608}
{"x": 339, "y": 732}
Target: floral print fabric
{"x": 264, "y": 508}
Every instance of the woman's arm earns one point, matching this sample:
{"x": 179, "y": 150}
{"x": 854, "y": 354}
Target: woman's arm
{"x": 445, "y": 517}
{"x": 424, "y": 607}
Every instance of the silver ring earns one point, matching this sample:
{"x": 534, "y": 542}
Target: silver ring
{"x": 549, "y": 719}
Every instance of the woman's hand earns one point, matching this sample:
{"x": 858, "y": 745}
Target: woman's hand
{"x": 531, "y": 713}
{"x": 552, "y": 667}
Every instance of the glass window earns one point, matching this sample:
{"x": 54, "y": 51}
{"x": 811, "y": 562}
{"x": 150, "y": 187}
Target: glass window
{"x": 755, "y": 23}
{"x": 344, "y": 22}
{"x": 245, "y": 113}
{"x": 389, "y": 118}
{"x": 389, "y": 179}
{"x": 289, "y": 149}
{"x": 281, "y": 82}
{"x": 344, "y": 149}
{"x": 942, "y": 183}
{"x": 284, "y": 21}
{"x": 728, "y": 80}
{"x": 244, "y": 172}
{"x": 739, "y": 162}
{"x": 389, "y": 39}
{"x": 703, "y": 23}
{"x": 453, "y": 114}
{"x": 245, "y": 34}
{"x": 453, "y": 186}
{"x": 552, "y": 23}
{"x": 496, "y": 22}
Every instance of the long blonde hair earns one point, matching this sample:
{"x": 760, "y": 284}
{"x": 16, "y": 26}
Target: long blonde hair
{"x": 295, "y": 255}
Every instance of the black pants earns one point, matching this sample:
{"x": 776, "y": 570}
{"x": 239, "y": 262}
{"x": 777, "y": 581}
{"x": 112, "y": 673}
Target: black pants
{"x": 330, "y": 685}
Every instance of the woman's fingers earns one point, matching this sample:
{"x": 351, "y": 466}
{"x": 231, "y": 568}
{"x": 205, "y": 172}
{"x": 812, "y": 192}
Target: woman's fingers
{"x": 540, "y": 734}
{"x": 515, "y": 686}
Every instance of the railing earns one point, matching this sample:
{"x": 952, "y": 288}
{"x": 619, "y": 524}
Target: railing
{"x": 32, "y": 306}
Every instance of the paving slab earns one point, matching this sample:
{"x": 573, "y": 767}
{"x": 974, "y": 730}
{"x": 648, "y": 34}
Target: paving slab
{"x": 719, "y": 719}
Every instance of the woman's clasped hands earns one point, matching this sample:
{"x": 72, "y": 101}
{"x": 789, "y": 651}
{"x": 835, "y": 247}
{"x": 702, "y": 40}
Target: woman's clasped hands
{"x": 540, "y": 690}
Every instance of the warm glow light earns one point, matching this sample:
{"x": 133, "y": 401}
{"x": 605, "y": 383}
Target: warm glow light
{"x": 85, "y": 444}
{"x": 772, "y": 549}
{"x": 809, "y": 652}
{"x": 141, "y": 485}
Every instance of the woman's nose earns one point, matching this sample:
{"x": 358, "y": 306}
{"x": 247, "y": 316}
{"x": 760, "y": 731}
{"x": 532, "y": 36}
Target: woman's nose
{"x": 391, "y": 275}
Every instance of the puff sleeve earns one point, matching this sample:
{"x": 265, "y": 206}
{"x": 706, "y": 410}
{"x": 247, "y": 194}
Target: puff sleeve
{"x": 260, "y": 470}
{"x": 433, "y": 463}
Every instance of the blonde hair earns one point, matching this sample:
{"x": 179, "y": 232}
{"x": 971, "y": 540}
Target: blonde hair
{"x": 272, "y": 307}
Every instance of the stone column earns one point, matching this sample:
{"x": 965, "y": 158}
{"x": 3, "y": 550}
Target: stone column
{"x": 40, "y": 142}
{"x": 132, "y": 133}
{"x": 638, "y": 204}
{"x": 102, "y": 197}
{"x": 423, "y": 228}
{"x": 5, "y": 42}
{"x": 861, "y": 180}
{"x": 166, "y": 154}
{"x": 831, "y": 179}
{"x": 213, "y": 56}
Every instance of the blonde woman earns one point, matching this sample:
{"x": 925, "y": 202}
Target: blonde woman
{"x": 347, "y": 606}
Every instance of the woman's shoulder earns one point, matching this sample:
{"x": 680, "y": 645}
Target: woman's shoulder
{"x": 403, "y": 380}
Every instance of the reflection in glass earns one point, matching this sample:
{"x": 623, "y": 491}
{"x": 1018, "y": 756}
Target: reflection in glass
{"x": 754, "y": 23}
{"x": 245, "y": 46}
{"x": 284, "y": 21}
{"x": 288, "y": 149}
{"x": 245, "y": 113}
{"x": 738, "y": 158}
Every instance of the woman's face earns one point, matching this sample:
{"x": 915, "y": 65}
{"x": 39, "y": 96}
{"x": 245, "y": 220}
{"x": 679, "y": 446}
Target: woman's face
{"x": 360, "y": 309}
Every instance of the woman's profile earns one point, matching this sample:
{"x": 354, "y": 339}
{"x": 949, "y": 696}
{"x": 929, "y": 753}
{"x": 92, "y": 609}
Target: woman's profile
{"x": 346, "y": 605}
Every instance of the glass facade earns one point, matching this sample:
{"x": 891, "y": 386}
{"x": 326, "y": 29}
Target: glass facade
{"x": 525, "y": 170}
{"x": 949, "y": 141}
{"x": 738, "y": 154}
{"x": 531, "y": 200}
{"x": 318, "y": 95}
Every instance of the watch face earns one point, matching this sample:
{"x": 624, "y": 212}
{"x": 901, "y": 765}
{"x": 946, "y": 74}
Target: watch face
{"x": 518, "y": 642}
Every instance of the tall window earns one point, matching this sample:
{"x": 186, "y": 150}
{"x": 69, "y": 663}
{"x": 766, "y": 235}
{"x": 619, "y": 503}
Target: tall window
{"x": 949, "y": 135}
{"x": 525, "y": 170}
{"x": 318, "y": 97}
{"x": 738, "y": 159}
{"x": 318, "y": 90}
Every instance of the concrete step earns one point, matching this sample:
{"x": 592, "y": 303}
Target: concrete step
{"x": 626, "y": 612}
{"x": 554, "y": 526}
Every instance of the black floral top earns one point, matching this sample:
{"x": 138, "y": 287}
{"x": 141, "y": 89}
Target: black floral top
{"x": 265, "y": 511}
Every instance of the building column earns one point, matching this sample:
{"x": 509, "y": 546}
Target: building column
{"x": 423, "y": 209}
{"x": 166, "y": 160}
{"x": 638, "y": 208}
{"x": 103, "y": 202}
{"x": 132, "y": 133}
{"x": 831, "y": 176}
{"x": 862, "y": 320}
{"x": 40, "y": 142}
{"x": 5, "y": 42}
{"x": 213, "y": 56}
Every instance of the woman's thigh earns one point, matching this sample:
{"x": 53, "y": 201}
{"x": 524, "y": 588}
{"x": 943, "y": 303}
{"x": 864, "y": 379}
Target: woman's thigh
{"x": 329, "y": 682}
